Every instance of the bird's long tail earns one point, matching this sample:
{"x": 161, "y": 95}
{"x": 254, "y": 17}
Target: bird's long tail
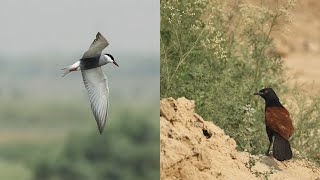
{"x": 281, "y": 148}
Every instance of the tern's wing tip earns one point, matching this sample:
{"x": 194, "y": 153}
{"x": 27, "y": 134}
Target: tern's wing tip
{"x": 96, "y": 47}
{"x": 100, "y": 130}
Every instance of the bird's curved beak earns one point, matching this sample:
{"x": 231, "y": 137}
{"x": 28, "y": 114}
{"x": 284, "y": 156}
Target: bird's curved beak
{"x": 257, "y": 93}
{"x": 115, "y": 63}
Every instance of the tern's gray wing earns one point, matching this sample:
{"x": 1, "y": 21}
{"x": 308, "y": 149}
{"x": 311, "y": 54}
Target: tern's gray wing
{"x": 96, "y": 83}
{"x": 96, "y": 47}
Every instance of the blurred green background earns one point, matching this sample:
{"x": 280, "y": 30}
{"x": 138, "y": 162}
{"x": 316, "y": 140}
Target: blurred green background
{"x": 47, "y": 130}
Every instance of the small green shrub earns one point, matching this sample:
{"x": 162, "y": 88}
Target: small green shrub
{"x": 306, "y": 115}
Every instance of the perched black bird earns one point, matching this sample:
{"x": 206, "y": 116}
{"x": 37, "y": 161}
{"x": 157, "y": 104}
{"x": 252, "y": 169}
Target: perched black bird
{"x": 278, "y": 125}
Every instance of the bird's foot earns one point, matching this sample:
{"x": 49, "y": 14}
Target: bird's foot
{"x": 267, "y": 153}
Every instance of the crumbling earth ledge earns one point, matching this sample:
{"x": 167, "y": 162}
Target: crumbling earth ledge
{"x": 194, "y": 149}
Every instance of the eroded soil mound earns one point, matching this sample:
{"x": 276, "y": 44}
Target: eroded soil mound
{"x": 194, "y": 149}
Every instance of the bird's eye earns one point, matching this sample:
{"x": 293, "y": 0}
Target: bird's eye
{"x": 266, "y": 91}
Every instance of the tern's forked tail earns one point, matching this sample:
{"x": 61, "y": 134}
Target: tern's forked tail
{"x": 66, "y": 70}
{"x": 69, "y": 69}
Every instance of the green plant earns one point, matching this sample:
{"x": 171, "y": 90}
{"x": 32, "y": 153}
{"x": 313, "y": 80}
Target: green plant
{"x": 306, "y": 116}
{"x": 252, "y": 162}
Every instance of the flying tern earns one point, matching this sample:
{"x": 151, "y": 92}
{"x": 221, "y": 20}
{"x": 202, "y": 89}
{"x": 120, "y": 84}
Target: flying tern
{"x": 94, "y": 79}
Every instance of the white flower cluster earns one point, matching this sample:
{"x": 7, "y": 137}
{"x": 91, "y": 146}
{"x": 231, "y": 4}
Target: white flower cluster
{"x": 249, "y": 113}
{"x": 189, "y": 9}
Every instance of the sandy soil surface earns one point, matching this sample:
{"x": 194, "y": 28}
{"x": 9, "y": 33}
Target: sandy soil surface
{"x": 194, "y": 149}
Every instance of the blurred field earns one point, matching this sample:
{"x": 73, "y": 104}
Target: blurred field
{"x": 299, "y": 43}
{"x": 304, "y": 69}
{"x": 39, "y": 110}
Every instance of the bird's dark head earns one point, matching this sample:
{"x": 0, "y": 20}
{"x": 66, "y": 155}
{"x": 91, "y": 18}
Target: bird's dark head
{"x": 269, "y": 96}
{"x": 110, "y": 59}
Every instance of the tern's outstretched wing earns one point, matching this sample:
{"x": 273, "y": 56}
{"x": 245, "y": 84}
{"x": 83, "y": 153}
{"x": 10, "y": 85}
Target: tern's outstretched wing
{"x": 96, "y": 83}
{"x": 96, "y": 47}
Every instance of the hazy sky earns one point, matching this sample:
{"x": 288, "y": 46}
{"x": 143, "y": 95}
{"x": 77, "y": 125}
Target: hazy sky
{"x": 68, "y": 26}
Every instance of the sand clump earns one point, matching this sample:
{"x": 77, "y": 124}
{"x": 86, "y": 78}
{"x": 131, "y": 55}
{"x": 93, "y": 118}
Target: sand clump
{"x": 194, "y": 149}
